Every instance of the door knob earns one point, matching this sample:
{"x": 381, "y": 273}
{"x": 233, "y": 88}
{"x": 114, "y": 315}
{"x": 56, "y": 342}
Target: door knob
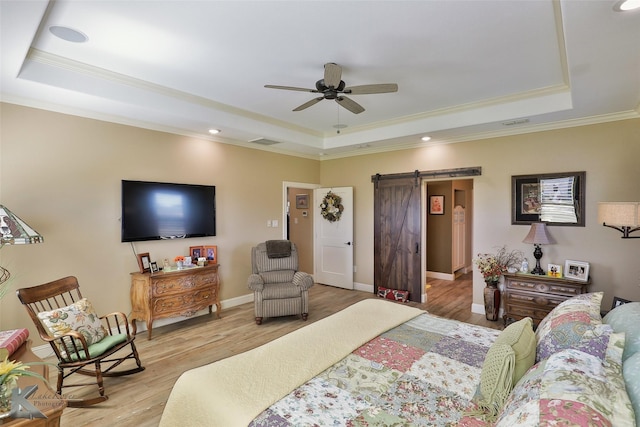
{"x": 348, "y": 243}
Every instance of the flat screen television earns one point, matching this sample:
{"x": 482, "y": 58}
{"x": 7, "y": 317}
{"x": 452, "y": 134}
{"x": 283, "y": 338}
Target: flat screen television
{"x": 161, "y": 210}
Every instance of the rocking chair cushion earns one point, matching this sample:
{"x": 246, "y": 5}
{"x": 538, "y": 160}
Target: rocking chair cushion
{"x": 80, "y": 317}
{"x": 100, "y": 347}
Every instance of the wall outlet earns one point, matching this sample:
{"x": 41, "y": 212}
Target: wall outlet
{"x": 274, "y": 223}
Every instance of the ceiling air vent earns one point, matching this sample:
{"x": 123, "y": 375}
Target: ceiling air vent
{"x": 515, "y": 122}
{"x": 264, "y": 141}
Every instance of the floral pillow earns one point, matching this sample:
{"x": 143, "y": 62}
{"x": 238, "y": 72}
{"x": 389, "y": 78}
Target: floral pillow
{"x": 80, "y": 317}
{"x": 572, "y": 387}
{"x": 572, "y": 324}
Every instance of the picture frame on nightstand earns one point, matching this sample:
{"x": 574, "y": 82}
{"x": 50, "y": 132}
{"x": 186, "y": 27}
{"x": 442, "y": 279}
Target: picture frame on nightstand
{"x": 144, "y": 262}
{"x": 576, "y": 270}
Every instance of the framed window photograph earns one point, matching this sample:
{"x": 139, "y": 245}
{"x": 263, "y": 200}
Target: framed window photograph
{"x": 144, "y": 262}
{"x": 302, "y": 201}
{"x": 576, "y": 270}
{"x": 211, "y": 253}
{"x": 552, "y": 198}
{"x": 153, "y": 267}
{"x": 436, "y": 205}
{"x": 196, "y": 252}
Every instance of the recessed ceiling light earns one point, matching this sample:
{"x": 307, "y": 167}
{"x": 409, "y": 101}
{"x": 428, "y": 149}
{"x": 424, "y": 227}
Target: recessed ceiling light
{"x": 426, "y": 138}
{"x": 214, "y": 131}
{"x": 68, "y": 34}
{"x": 626, "y": 5}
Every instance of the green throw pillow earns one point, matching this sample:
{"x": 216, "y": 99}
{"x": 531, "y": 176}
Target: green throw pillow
{"x": 522, "y": 339}
{"x": 510, "y": 356}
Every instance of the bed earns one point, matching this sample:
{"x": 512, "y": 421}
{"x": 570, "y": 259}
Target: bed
{"x": 381, "y": 363}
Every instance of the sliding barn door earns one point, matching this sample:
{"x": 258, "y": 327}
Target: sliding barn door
{"x": 397, "y": 235}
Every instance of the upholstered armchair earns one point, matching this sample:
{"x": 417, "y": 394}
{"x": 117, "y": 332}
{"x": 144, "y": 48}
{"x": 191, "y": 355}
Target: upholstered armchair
{"x": 279, "y": 289}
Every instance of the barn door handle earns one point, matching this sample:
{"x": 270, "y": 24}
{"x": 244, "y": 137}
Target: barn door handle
{"x": 417, "y": 248}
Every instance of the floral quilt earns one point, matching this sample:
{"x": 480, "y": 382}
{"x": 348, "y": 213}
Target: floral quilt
{"x": 424, "y": 372}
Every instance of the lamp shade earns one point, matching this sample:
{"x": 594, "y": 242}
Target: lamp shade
{"x": 621, "y": 214}
{"x": 14, "y": 231}
{"x": 538, "y": 234}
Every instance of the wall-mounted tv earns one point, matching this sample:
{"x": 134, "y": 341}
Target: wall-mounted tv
{"x": 160, "y": 210}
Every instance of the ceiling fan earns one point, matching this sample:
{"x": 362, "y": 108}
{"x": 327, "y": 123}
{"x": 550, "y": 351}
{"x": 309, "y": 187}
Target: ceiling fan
{"x": 332, "y": 87}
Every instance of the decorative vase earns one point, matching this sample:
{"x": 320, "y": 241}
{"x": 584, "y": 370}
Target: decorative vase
{"x": 179, "y": 264}
{"x": 5, "y": 400}
{"x": 492, "y": 300}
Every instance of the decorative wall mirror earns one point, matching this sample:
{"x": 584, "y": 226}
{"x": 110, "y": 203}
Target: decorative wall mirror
{"x": 553, "y": 198}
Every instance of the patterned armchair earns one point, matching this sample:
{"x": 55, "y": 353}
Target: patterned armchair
{"x": 278, "y": 287}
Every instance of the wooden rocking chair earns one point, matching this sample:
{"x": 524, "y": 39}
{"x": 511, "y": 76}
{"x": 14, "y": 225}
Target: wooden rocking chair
{"x": 88, "y": 350}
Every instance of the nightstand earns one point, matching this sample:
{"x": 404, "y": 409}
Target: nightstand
{"x": 531, "y": 295}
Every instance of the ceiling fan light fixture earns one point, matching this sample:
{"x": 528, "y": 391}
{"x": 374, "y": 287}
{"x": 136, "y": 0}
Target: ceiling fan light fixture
{"x": 626, "y": 5}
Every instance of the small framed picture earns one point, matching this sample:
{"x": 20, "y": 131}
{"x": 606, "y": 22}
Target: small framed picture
{"x": 211, "y": 253}
{"x": 576, "y": 270}
{"x": 196, "y": 252}
{"x": 617, "y": 302}
{"x": 554, "y": 270}
{"x": 153, "y": 267}
{"x": 144, "y": 262}
{"x": 302, "y": 201}
{"x": 436, "y": 205}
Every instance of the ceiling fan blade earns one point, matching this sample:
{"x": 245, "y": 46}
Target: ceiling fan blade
{"x": 368, "y": 89}
{"x": 301, "y": 89}
{"x": 350, "y": 104}
{"x": 308, "y": 104}
{"x": 332, "y": 74}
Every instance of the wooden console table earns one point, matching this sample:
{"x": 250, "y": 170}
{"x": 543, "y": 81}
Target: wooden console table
{"x": 531, "y": 295}
{"x": 174, "y": 293}
{"x": 44, "y": 398}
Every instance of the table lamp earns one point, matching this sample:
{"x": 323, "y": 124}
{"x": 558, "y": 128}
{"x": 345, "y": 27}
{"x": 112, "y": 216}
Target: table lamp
{"x": 537, "y": 236}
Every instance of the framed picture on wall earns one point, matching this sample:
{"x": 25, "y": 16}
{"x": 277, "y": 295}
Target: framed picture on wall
{"x": 436, "y": 205}
{"x": 302, "y": 201}
{"x": 144, "y": 262}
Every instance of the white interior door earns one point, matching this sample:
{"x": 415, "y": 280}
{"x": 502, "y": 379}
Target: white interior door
{"x": 333, "y": 242}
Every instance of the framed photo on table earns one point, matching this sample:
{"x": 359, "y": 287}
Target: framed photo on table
{"x": 144, "y": 262}
{"x": 211, "y": 253}
{"x": 196, "y": 252}
{"x": 576, "y": 270}
{"x": 436, "y": 205}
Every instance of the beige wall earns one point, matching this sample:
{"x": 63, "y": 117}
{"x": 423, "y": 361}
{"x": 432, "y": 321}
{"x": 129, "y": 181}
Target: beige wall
{"x": 62, "y": 174}
{"x": 609, "y": 153}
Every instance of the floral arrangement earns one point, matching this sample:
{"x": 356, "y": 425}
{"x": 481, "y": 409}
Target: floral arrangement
{"x": 331, "y": 207}
{"x": 10, "y": 371}
{"x": 179, "y": 258}
{"x": 492, "y": 266}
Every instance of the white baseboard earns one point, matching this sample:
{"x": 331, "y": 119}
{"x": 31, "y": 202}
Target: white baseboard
{"x": 441, "y": 276}
{"x": 362, "y": 287}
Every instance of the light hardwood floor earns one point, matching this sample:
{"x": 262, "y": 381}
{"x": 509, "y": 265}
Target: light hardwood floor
{"x": 138, "y": 400}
